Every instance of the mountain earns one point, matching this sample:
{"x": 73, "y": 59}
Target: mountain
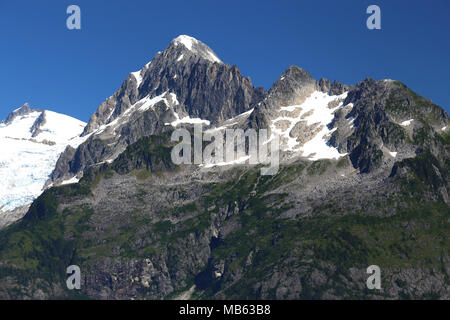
{"x": 31, "y": 140}
{"x": 363, "y": 180}
{"x": 187, "y": 82}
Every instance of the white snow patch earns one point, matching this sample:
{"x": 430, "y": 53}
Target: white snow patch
{"x": 70, "y": 181}
{"x": 143, "y": 105}
{"x": 187, "y": 119}
{"x": 174, "y": 98}
{"x": 407, "y": 122}
{"x": 138, "y": 74}
{"x": 180, "y": 58}
{"x": 232, "y": 121}
{"x": 290, "y": 108}
{"x": 316, "y": 148}
{"x": 186, "y": 41}
{"x": 246, "y": 113}
{"x": 138, "y": 77}
{"x": 213, "y": 57}
{"x": 351, "y": 122}
{"x": 189, "y": 43}
{"x": 17, "y": 109}
{"x": 76, "y": 141}
{"x": 393, "y": 154}
{"x": 148, "y": 103}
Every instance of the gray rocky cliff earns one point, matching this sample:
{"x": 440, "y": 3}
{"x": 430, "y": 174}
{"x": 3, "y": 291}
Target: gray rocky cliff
{"x": 381, "y": 112}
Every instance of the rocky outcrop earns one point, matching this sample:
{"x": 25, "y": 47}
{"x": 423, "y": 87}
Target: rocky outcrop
{"x": 36, "y": 127}
{"x": 334, "y": 88}
{"x": 291, "y": 88}
{"x": 23, "y": 110}
{"x": 379, "y": 113}
{"x": 9, "y": 217}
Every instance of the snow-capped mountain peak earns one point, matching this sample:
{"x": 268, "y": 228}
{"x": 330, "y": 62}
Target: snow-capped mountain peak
{"x": 196, "y": 47}
{"x": 187, "y": 41}
{"x": 31, "y": 141}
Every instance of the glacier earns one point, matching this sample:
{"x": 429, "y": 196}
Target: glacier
{"x": 31, "y": 141}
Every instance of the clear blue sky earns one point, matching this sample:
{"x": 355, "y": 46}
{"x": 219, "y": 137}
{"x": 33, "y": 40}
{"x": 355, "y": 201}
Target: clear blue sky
{"x": 72, "y": 72}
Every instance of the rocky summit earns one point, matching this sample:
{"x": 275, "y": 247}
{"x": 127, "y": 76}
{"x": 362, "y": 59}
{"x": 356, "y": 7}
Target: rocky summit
{"x": 363, "y": 180}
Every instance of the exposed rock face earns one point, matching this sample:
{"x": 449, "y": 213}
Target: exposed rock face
{"x": 9, "y": 217}
{"x": 378, "y": 111}
{"x": 303, "y": 133}
{"x": 324, "y": 85}
{"x": 291, "y": 88}
{"x": 36, "y": 128}
{"x": 335, "y": 88}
